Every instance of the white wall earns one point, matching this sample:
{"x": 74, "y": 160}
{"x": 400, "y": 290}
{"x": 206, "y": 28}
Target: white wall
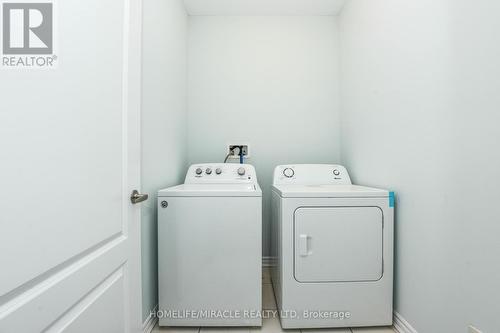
{"x": 420, "y": 114}
{"x": 268, "y": 81}
{"x": 164, "y": 122}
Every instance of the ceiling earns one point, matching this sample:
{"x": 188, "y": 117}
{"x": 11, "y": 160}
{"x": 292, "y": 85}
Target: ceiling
{"x": 264, "y": 7}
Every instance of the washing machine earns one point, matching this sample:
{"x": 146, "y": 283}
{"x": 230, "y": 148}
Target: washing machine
{"x": 332, "y": 249}
{"x": 210, "y": 248}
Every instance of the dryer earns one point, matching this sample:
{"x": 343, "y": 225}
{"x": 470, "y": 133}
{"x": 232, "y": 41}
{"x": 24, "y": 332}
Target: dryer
{"x": 210, "y": 248}
{"x": 332, "y": 249}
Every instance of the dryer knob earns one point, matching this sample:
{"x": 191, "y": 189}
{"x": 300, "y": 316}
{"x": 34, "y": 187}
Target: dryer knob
{"x": 336, "y": 172}
{"x": 208, "y": 171}
{"x": 199, "y": 171}
{"x": 241, "y": 171}
{"x": 288, "y": 172}
{"x": 218, "y": 171}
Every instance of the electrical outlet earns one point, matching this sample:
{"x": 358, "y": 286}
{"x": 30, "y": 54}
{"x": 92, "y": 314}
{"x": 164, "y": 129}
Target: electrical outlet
{"x": 472, "y": 329}
{"x": 244, "y": 148}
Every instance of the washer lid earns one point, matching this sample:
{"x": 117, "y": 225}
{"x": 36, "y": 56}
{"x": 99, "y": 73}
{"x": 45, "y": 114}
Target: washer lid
{"x": 212, "y": 190}
{"x": 328, "y": 191}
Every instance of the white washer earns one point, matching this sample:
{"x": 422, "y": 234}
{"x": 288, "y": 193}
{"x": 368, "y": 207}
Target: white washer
{"x": 210, "y": 248}
{"x": 333, "y": 248}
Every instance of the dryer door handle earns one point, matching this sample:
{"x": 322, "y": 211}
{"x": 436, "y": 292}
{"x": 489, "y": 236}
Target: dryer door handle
{"x": 304, "y": 245}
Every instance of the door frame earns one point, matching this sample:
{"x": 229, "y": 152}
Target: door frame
{"x": 132, "y": 84}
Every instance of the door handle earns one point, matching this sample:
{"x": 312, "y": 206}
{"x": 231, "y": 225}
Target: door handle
{"x": 136, "y": 197}
{"x": 304, "y": 245}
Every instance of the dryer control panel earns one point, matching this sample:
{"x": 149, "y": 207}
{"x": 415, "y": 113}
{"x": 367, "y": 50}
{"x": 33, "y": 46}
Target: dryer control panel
{"x": 221, "y": 173}
{"x": 311, "y": 174}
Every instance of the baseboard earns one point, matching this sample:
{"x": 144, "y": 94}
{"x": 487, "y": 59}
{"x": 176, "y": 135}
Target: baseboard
{"x": 150, "y": 323}
{"x": 401, "y": 325}
{"x": 266, "y": 261}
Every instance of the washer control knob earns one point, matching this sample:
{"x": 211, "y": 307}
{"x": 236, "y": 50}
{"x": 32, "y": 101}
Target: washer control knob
{"x": 199, "y": 171}
{"x": 241, "y": 171}
{"x": 218, "y": 171}
{"x": 208, "y": 171}
{"x": 288, "y": 172}
{"x": 336, "y": 172}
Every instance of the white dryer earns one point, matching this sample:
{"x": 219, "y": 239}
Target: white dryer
{"x": 332, "y": 245}
{"x": 210, "y": 248}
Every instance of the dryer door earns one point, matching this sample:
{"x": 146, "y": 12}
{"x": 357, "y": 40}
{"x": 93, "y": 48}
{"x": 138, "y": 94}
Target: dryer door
{"x": 338, "y": 244}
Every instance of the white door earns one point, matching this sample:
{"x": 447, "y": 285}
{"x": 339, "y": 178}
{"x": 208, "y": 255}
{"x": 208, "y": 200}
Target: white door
{"x": 338, "y": 244}
{"x": 69, "y": 160}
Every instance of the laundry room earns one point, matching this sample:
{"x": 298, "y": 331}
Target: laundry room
{"x": 250, "y": 165}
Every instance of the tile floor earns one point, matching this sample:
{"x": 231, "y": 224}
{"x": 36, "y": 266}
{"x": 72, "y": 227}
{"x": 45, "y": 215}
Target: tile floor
{"x": 269, "y": 325}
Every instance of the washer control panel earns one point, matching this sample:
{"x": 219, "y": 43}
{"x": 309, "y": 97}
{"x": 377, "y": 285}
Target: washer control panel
{"x": 221, "y": 173}
{"x": 311, "y": 174}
